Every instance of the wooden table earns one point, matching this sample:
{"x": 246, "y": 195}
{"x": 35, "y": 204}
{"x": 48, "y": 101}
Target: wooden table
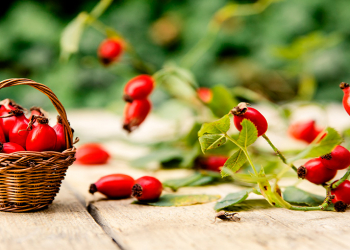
{"x": 78, "y": 220}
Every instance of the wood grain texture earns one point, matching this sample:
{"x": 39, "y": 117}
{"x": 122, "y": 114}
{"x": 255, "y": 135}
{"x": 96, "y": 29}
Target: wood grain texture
{"x": 64, "y": 225}
{"x": 146, "y": 227}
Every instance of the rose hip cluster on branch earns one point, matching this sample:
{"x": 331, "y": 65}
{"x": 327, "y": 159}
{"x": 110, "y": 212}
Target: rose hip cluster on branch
{"x": 138, "y": 105}
{"x": 18, "y": 133}
{"x": 118, "y": 186}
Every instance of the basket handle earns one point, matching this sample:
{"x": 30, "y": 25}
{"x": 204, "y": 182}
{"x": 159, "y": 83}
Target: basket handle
{"x": 53, "y": 98}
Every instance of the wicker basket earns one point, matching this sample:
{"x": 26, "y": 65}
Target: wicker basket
{"x": 30, "y": 180}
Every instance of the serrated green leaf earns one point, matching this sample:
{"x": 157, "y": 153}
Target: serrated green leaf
{"x": 211, "y": 141}
{"x": 220, "y": 126}
{"x": 300, "y": 197}
{"x": 325, "y": 146}
{"x": 172, "y": 200}
{"x": 248, "y": 134}
{"x": 222, "y": 100}
{"x": 232, "y": 199}
{"x": 234, "y": 163}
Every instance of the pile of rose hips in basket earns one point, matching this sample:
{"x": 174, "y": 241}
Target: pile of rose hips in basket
{"x": 118, "y": 186}
{"x": 32, "y": 133}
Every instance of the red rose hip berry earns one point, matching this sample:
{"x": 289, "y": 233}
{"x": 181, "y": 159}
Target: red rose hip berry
{"x": 42, "y": 137}
{"x": 135, "y": 113}
{"x": 110, "y": 50}
{"x": 314, "y": 171}
{"x": 10, "y": 147}
{"x": 213, "y": 163}
{"x": 139, "y": 87}
{"x": 304, "y": 131}
{"x": 346, "y": 98}
{"x": 342, "y": 193}
{"x": 92, "y": 153}
{"x": 242, "y": 111}
{"x": 114, "y": 186}
{"x": 205, "y": 94}
{"x": 338, "y": 159}
{"x": 147, "y": 188}
{"x": 61, "y": 137}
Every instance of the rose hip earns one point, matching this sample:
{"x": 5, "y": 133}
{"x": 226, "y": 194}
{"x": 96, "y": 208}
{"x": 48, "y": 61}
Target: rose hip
{"x": 147, "y": 188}
{"x": 10, "y": 147}
{"x": 139, "y": 87}
{"x": 338, "y": 159}
{"x": 42, "y": 137}
{"x": 10, "y": 119}
{"x": 213, "y": 163}
{"x": 92, "y": 153}
{"x": 61, "y": 138}
{"x": 114, "y": 186}
{"x": 346, "y": 98}
{"x": 242, "y": 111}
{"x": 342, "y": 193}
{"x": 110, "y": 50}
{"x": 135, "y": 113}
{"x": 315, "y": 172}
{"x": 304, "y": 131}
{"x": 205, "y": 94}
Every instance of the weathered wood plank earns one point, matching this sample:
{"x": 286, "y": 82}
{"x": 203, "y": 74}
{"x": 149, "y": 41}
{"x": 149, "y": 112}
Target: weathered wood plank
{"x": 146, "y": 227}
{"x": 66, "y": 224}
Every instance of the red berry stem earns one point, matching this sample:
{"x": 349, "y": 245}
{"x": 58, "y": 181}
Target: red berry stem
{"x": 278, "y": 153}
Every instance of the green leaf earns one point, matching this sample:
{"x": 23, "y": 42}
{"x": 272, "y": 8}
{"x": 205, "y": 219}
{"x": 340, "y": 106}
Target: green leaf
{"x": 197, "y": 179}
{"x": 300, "y": 197}
{"x": 172, "y": 200}
{"x": 210, "y": 141}
{"x": 325, "y": 146}
{"x": 71, "y": 35}
{"x": 248, "y": 134}
{"x": 234, "y": 163}
{"x": 220, "y": 126}
{"x": 222, "y": 100}
{"x": 250, "y": 178}
{"x": 232, "y": 199}
{"x": 158, "y": 155}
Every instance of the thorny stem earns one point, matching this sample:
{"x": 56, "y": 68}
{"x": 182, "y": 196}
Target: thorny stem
{"x": 245, "y": 152}
{"x": 279, "y": 154}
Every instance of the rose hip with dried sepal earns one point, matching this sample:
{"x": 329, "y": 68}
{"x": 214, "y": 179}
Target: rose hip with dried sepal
{"x": 139, "y": 87}
{"x": 11, "y": 119}
{"x": 135, "y": 113}
{"x": 242, "y": 111}
{"x": 147, "y": 188}
{"x": 114, "y": 186}
{"x": 338, "y": 159}
{"x": 304, "y": 131}
{"x": 315, "y": 172}
{"x": 341, "y": 196}
{"x": 91, "y": 153}
{"x": 42, "y": 137}
{"x": 110, "y": 50}
{"x": 10, "y": 147}
{"x": 346, "y": 98}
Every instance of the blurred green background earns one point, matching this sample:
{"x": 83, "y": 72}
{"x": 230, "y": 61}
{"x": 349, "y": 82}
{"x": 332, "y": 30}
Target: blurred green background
{"x": 293, "y": 50}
